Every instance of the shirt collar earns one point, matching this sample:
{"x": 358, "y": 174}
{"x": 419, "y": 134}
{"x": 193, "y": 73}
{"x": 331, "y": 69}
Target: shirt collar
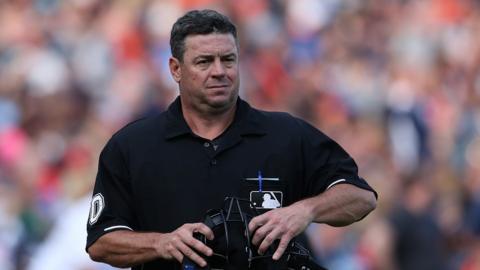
{"x": 246, "y": 120}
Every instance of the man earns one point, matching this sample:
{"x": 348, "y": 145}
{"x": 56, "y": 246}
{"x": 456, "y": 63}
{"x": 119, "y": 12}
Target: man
{"x": 158, "y": 176}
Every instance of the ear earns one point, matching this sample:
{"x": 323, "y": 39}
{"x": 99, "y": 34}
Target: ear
{"x": 175, "y": 68}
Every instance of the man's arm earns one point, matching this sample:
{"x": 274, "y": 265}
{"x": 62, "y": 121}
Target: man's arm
{"x": 126, "y": 248}
{"x": 340, "y": 205}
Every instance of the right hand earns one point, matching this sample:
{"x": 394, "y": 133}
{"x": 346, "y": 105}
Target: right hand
{"x": 181, "y": 242}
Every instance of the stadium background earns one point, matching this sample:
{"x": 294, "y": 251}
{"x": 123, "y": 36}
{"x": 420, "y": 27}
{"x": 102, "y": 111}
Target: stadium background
{"x": 395, "y": 82}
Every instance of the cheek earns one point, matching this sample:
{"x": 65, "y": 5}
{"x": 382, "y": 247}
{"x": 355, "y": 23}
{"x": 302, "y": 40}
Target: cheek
{"x": 196, "y": 76}
{"x": 189, "y": 78}
{"x": 233, "y": 74}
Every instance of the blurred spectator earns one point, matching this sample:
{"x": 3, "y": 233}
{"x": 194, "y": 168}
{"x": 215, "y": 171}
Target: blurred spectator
{"x": 59, "y": 252}
{"x": 417, "y": 239}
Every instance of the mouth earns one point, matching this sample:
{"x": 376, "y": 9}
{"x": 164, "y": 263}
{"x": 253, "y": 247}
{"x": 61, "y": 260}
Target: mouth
{"x": 217, "y": 86}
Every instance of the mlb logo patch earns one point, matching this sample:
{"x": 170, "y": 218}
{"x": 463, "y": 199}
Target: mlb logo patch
{"x": 266, "y": 199}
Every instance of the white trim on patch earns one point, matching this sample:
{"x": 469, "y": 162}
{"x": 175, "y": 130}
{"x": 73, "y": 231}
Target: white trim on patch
{"x": 97, "y": 205}
{"x": 117, "y": 227}
{"x": 336, "y": 182}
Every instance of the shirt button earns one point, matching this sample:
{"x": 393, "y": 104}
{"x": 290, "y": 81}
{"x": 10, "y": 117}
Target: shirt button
{"x": 206, "y": 144}
{"x": 214, "y": 162}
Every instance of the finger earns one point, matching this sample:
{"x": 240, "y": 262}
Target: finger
{"x": 187, "y": 251}
{"x": 199, "y": 246}
{"x": 260, "y": 234}
{"x": 268, "y": 240}
{"x": 282, "y": 246}
{"x": 177, "y": 255}
{"x": 257, "y": 222}
{"x": 205, "y": 230}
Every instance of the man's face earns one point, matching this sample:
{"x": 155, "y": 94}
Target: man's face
{"x": 208, "y": 76}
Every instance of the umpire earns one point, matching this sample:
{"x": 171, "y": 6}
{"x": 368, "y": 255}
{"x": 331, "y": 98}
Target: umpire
{"x": 158, "y": 176}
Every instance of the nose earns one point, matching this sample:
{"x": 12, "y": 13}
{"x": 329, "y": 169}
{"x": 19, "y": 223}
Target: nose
{"x": 218, "y": 70}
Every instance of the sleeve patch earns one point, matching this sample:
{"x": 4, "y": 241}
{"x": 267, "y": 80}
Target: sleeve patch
{"x": 96, "y": 207}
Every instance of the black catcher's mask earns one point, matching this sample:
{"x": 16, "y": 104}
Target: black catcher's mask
{"x": 232, "y": 247}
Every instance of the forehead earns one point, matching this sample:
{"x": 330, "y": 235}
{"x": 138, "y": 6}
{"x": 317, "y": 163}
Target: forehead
{"x": 211, "y": 44}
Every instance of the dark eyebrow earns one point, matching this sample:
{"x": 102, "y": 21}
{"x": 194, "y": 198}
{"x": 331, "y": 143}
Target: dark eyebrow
{"x": 213, "y": 56}
{"x": 204, "y": 56}
{"x": 229, "y": 55}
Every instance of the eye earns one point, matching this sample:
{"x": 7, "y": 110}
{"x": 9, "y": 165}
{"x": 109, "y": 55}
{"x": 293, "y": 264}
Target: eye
{"x": 229, "y": 61}
{"x": 203, "y": 63}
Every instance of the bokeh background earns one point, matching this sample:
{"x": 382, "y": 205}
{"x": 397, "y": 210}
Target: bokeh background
{"x": 395, "y": 82}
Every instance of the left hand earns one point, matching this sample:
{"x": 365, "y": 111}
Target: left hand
{"x": 281, "y": 223}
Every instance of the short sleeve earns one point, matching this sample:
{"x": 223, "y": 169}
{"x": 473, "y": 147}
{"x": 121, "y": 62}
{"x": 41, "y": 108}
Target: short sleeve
{"x": 326, "y": 163}
{"x": 111, "y": 204}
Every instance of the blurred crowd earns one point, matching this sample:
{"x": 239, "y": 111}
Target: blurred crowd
{"x": 395, "y": 82}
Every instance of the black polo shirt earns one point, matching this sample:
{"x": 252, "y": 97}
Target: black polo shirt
{"x": 155, "y": 175}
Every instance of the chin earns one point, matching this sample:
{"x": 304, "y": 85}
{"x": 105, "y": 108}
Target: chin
{"x": 222, "y": 101}
{"x": 221, "y": 104}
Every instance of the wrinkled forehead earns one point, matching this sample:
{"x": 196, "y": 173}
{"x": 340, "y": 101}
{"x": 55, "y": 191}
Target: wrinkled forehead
{"x": 211, "y": 44}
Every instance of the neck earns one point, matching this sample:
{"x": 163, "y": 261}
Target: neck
{"x": 207, "y": 125}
